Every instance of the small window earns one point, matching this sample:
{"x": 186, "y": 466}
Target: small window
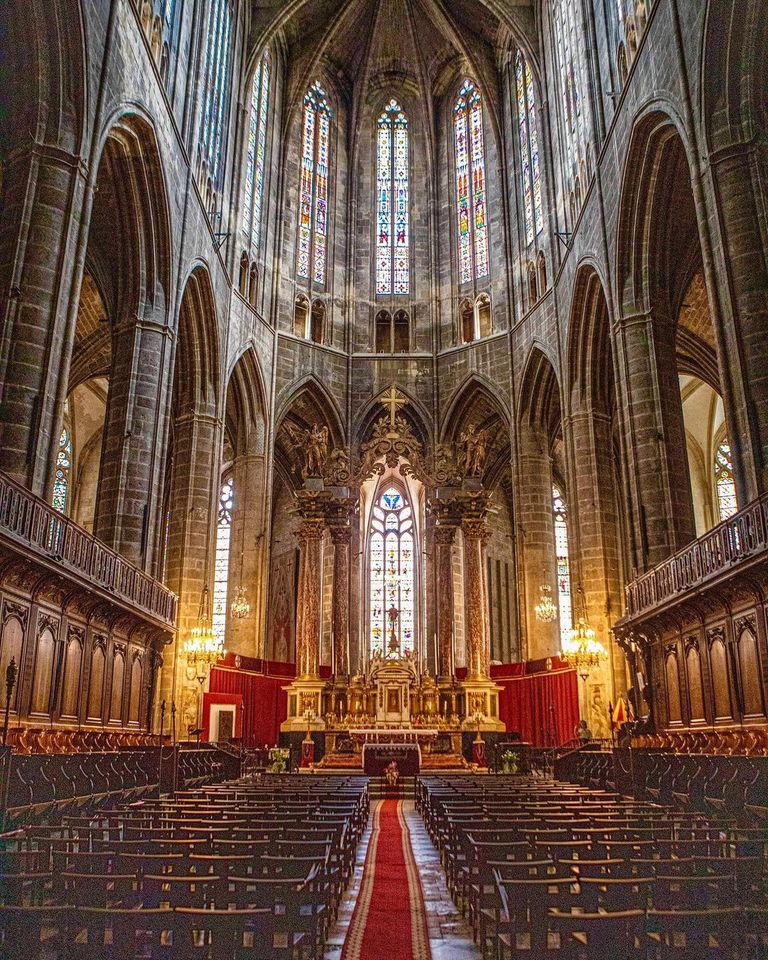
{"x": 541, "y": 270}
{"x": 532, "y": 291}
{"x": 318, "y": 322}
{"x": 402, "y": 332}
{"x": 484, "y": 315}
{"x": 252, "y": 285}
{"x": 467, "y": 322}
{"x": 300, "y": 316}
{"x": 383, "y": 332}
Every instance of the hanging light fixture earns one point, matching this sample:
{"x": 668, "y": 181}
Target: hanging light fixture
{"x": 582, "y": 650}
{"x": 240, "y": 607}
{"x": 545, "y": 609}
{"x": 202, "y": 648}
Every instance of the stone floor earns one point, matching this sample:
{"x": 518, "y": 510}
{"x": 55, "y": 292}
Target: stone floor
{"x": 449, "y": 936}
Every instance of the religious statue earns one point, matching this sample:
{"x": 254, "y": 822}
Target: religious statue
{"x": 338, "y": 471}
{"x": 312, "y": 444}
{"x": 475, "y": 445}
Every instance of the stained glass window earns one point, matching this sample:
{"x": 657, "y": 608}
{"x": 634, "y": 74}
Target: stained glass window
{"x": 256, "y": 156}
{"x": 221, "y": 569}
{"x": 565, "y": 606}
{"x": 568, "y": 51}
{"x": 529, "y": 149}
{"x": 470, "y": 184}
{"x": 63, "y": 470}
{"x": 313, "y": 190}
{"x": 392, "y": 574}
{"x": 216, "y": 71}
{"x": 392, "y": 178}
{"x": 724, "y": 481}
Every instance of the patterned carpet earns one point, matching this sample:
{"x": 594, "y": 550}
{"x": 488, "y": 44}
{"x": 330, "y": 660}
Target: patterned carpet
{"x": 389, "y": 921}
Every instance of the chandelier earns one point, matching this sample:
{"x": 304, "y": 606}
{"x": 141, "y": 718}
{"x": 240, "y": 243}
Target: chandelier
{"x": 545, "y": 609}
{"x": 203, "y": 649}
{"x": 582, "y": 650}
{"x": 240, "y": 608}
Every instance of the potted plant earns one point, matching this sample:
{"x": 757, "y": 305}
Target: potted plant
{"x": 509, "y": 761}
{"x": 278, "y": 759}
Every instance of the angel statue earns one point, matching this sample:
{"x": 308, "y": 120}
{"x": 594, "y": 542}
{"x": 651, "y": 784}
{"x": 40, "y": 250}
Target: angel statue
{"x": 475, "y": 445}
{"x": 312, "y": 445}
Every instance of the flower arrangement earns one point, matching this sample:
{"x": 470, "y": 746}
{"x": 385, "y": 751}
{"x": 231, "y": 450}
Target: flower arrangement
{"x": 391, "y": 773}
{"x": 279, "y": 757}
{"x": 509, "y": 761}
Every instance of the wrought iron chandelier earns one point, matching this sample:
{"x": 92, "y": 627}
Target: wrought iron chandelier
{"x": 582, "y": 650}
{"x": 240, "y": 607}
{"x": 545, "y": 609}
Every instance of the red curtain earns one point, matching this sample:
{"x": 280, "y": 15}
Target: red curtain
{"x": 542, "y": 707}
{"x": 265, "y": 703}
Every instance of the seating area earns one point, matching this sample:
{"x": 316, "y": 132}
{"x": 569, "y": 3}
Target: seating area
{"x": 250, "y": 868}
{"x": 545, "y": 868}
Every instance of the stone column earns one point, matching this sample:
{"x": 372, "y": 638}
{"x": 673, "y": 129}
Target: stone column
{"x": 444, "y": 538}
{"x": 41, "y": 241}
{"x": 132, "y": 450}
{"x": 659, "y": 482}
{"x": 247, "y": 566}
{"x": 310, "y": 538}
{"x": 341, "y": 537}
{"x": 478, "y": 640}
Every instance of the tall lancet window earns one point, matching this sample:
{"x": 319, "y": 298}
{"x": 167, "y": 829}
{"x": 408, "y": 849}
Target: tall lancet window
{"x": 392, "y": 174}
{"x": 565, "y": 605}
{"x": 568, "y": 40}
{"x": 221, "y": 563}
{"x": 255, "y": 161}
{"x": 724, "y": 482}
{"x": 470, "y": 184}
{"x": 216, "y": 73}
{"x": 392, "y": 573}
{"x": 529, "y": 149}
{"x": 313, "y": 199}
{"x": 60, "y": 499}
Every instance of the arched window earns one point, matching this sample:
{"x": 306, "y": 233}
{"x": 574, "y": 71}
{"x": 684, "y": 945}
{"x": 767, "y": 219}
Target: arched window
{"x": 253, "y": 278}
{"x": 560, "y": 516}
{"x": 61, "y": 481}
{"x": 724, "y": 481}
{"x": 467, "y": 322}
{"x": 215, "y": 99}
{"x": 532, "y": 291}
{"x": 255, "y": 161}
{"x": 392, "y": 574}
{"x": 300, "y": 316}
{"x": 383, "y": 332}
{"x": 483, "y": 306}
{"x": 221, "y": 563}
{"x": 541, "y": 271}
{"x": 243, "y": 287}
{"x": 529, "y": 150}
{"x": 401, "y": 332}
{"x": 569, "y": 45}
{"x": 313, "y": 200}
{"x": 470, "y": 184}
{"x": 317, "y": 331}
{"x": 392, "y": 177}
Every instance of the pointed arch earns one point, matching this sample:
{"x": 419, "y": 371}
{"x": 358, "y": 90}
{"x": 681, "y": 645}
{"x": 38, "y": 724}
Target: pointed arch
{"x": 475, "y": 393}
{"x": 539, "y": 395}
{"x": 311, "y": 399}
{"x": 246, "y": 409}
{"x": 197, "y": 373}
{"x": 415, "y": 413}
{"x": 590, "y": 373}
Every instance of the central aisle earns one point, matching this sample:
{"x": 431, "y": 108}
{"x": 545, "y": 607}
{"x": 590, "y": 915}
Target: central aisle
{"x": 384, "y": 916}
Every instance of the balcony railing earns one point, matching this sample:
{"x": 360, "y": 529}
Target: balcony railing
{"x": 31, "y": 522}
{"x": 742, "y": 537}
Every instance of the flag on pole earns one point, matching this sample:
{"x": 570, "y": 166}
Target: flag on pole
{"x": 618, "y": 714}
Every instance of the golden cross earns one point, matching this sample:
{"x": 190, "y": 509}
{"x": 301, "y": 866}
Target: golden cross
{"x": 393, "y": 399}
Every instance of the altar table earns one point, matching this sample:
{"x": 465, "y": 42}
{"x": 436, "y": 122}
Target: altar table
{"x": 378, "y": 756}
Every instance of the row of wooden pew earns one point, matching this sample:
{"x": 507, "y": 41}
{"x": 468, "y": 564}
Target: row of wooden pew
{"x": 543, "y": 868}
{"x": 243, "y": 869}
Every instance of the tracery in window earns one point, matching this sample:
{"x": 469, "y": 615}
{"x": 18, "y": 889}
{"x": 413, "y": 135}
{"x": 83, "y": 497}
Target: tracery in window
{"x": 61, "y": 481}
{"x": 221, "y": 563}
{"x": 470, "y": 184}
{"x": 724, "y": 481}
{"x": 392, "y": 573}
{"x": 313, "y": 198}
{"x": 392, "y": 179}
{"x": 256, "y": 157}
{"x": 216, "y": 75}
{"x": 529, "y": 149}
{"x": 568, "y": 41}
{"x": 560, "y": 516}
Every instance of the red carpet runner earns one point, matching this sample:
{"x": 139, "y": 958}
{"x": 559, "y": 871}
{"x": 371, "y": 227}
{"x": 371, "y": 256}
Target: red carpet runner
{"x": 389, "y": 921}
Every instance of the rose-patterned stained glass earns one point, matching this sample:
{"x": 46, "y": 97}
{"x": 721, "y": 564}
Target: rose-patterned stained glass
{"x": 221, "y": 564}
{"x": 256, "y": 157}
{"x": 63, "y": 471}
{"x": 392, "y": 574}
{"x": 313, "y": 190}
{"x": 724, "y": 482}
{"x": 471, "y": 205}
{"x": 392, "y": 180}
{"x": 218, "y": 55}
{"x": 565, "y": 603}
{"x": 529, "y": 149}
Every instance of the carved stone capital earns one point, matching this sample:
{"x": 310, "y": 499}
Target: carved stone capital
{"x": 445, "y": 534}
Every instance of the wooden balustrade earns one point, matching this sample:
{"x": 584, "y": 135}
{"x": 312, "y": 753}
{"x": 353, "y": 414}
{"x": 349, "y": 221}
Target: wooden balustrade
{"x": 30, "y": 522}
{"x": 737, "y": 540}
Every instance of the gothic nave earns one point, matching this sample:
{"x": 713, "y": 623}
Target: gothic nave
{"x": 383, "y": 479}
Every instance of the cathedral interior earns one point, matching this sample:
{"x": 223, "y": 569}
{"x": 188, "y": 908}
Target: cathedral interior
{"x": 384, "y": 430}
